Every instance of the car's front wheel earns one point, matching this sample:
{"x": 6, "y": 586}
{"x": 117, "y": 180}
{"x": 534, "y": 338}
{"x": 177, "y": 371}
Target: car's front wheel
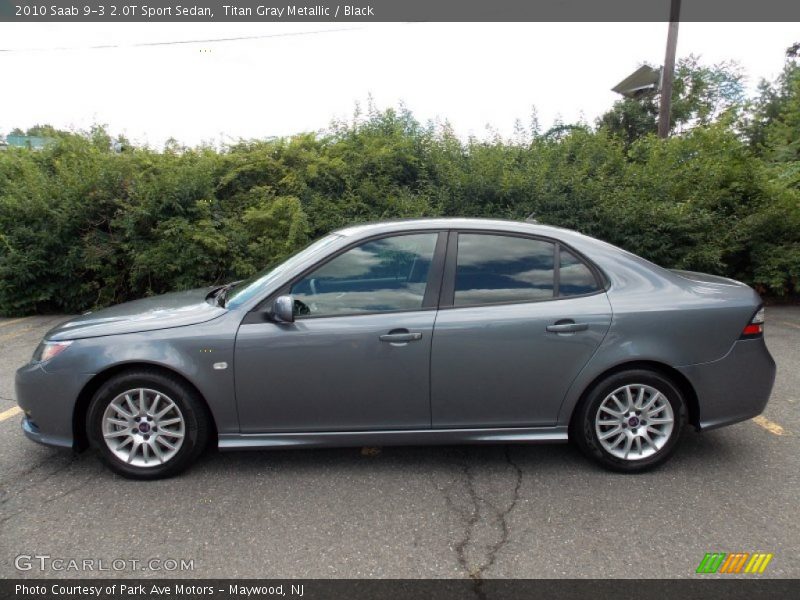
{"x": 630, "y": 421}
{"x": 147, "y": 424}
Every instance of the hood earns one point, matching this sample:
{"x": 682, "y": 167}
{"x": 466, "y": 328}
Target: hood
{"x": 175, "y": 309}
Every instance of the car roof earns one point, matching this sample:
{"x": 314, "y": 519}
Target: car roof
{"x": 397, "y": 225}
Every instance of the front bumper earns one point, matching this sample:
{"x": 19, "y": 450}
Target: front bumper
{"x": 734, "y": 388}
{"x": 48, "y": 401}
{"x": 32, "y": 432}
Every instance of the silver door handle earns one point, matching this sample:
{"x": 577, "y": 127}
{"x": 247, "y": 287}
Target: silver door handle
{"x": 567, "y": 327}
{"x": 400, "y": 337}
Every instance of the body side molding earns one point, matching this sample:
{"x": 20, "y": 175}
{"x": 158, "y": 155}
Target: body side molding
{"x": 320, "y": 439}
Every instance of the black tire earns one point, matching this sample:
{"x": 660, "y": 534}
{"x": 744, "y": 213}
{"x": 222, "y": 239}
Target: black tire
{"x": 192, "y": 409}
{"x": 583, "y": 430}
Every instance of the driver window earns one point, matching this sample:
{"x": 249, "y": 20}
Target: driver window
{"x": 388, "y": 274}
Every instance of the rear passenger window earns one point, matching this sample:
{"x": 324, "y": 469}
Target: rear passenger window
{"x": 575, "y": 277}
{"x": 501, "y": 268}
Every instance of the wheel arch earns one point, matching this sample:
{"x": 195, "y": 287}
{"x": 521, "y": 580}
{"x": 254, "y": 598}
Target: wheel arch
{"x": 678, "y": 378}
{"x": 80, "y": 436}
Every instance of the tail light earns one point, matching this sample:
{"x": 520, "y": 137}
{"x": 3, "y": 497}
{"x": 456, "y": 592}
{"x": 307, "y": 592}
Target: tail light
{"x": 755, "y": 327}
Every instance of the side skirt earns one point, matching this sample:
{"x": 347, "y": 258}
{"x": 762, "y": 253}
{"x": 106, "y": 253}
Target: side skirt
{"x": 414, "y": 437}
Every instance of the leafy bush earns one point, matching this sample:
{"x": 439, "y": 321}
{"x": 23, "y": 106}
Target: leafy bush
{"x": 82, "y": 226}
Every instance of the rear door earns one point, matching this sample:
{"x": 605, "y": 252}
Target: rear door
{"x": 519, "y": 318}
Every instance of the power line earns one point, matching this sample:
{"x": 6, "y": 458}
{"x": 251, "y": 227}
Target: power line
{"x": 180, "y": 42}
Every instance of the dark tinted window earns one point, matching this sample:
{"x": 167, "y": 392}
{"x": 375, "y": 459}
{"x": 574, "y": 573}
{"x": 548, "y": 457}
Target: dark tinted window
{"x": 499, "y": 268}
{"x": 574, "y": 276}
{"x": 381, "y": 275}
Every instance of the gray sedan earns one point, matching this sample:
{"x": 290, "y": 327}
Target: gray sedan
{"x": 442, "y": 331}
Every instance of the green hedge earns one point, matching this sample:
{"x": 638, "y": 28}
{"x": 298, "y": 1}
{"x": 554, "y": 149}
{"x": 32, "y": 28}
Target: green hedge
{"x": 83, "y": 227}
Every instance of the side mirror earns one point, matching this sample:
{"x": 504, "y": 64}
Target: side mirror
{"x": 283, "y": 309}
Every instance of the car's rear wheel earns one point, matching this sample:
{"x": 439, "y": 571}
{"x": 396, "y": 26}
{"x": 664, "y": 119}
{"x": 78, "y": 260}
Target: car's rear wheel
{"x": 630, "y": 421}
{"x": 147, "y": 424}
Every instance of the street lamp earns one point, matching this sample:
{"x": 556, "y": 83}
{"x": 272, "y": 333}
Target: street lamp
{"x": 648, "y": 79}
{"x": 669, "y": 69}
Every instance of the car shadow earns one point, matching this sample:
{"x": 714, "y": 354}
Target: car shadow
{"x": 695, "y": 452}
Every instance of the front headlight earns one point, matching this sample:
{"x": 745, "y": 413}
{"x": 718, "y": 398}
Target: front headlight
{"x": 47, "y": 350}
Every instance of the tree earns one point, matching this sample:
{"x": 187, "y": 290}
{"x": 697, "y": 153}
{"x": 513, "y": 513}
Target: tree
{"x": 780, "y": 117}
{"x": 631, "y": 118}
{"x": 702, "y": 93}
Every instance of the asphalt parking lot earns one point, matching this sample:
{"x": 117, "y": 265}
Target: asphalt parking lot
{"x": 483, "y": 511}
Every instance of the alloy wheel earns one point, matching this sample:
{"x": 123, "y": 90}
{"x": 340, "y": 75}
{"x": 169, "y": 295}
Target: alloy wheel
{"x": 634, "y": 422}
{"x": 143, "y": 427}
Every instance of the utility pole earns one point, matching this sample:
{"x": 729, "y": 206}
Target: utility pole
{"x": 669, "y": 69}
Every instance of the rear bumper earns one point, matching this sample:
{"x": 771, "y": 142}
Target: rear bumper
{"x": 734, "y": 388}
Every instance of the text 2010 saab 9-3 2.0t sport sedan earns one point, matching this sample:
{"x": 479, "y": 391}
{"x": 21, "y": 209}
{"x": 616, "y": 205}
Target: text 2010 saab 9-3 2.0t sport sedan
{"x": 409, "y": 332}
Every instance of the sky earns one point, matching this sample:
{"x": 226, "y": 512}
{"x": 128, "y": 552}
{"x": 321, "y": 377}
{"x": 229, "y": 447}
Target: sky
{"x": 296, "y": 77}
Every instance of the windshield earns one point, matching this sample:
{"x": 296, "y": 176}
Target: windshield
{"x": 251, "y": 286}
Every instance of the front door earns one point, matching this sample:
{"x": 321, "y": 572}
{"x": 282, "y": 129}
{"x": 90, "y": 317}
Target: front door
{"x": 357, "y": 356}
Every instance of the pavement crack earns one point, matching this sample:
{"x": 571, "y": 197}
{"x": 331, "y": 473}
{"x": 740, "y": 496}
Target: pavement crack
{"x": 74, "y": 489}
{"x": 57, "y": 496}
{"x": 502, "y": 516}
{"x": 471, "y": 517}
{"x": 11, "y": 490}
{"x": 470, "y": 520}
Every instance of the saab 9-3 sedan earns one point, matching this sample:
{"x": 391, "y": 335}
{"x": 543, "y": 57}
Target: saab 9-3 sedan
{"x": 440, "y": 331}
